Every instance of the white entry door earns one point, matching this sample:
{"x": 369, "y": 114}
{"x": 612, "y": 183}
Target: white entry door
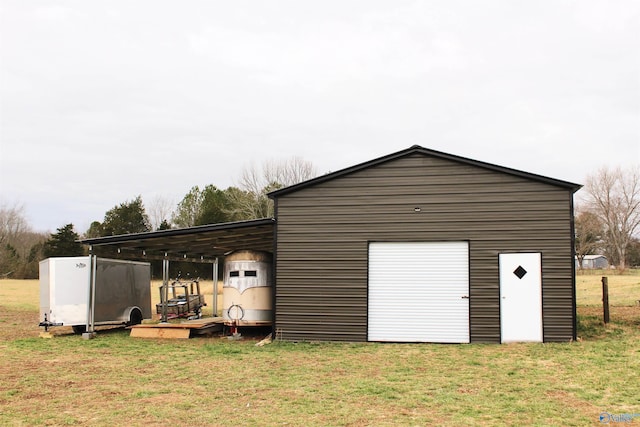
{"x": 419, "y": 292}
{"x": 521, "y": 297}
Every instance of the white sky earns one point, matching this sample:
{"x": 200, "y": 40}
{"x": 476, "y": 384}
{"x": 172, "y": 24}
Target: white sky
{"x": 102, "y": 101}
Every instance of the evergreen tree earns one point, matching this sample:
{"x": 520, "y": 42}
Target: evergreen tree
{"x": 63, "y": 243}
{"x": 213, "y": 206}
{"x": 164, "y": 225}
{"x": 32, "y": 267}
{"x": 95, "y": 230}
{"x": 633, "y": 253}
{"x": 10, "y": 261}
{"x": 127, "y": 218}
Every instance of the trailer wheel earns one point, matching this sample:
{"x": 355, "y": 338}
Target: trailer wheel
{"x": 79, "y": 329}
{"x": 135, "y": 318}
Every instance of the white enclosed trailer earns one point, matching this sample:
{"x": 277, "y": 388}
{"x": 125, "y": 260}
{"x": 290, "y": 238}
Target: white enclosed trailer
{"x": 86, "y": 291}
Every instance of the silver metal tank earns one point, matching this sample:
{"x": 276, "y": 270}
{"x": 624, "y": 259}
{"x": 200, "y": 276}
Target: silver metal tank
{"x": 247, "y": 292}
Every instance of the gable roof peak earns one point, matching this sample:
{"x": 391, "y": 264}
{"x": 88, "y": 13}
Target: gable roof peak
{"x": 427, "y": 152}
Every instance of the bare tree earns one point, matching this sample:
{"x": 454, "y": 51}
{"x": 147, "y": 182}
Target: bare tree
{"x": 251, "y": 201}
{"x": 288, "y": 172}
{"x": 159, "y": 209}
{"x": 13, "y": 223}
{"x": 246, "y": 205}
{"x": 589, "y": 232}
{"x": 614, "y": 195}
{"x": 20, "y": 247}
{"x": 276, "y": 174}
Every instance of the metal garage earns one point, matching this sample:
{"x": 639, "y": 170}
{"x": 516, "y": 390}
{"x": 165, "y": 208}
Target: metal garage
{"x": 418, "y": 246}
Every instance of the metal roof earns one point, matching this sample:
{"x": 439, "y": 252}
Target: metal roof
{"x": 427, "y": 152}
{"x": 195, "y": 244}
{"x": 589, "y": 257}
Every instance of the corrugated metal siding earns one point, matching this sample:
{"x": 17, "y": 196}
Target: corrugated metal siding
{"x": 323, "y": 233}
{"x": 418, "y": 292}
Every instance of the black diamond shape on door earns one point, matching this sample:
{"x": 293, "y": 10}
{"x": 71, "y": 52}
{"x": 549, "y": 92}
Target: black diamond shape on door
{"x": 520, "y": 272}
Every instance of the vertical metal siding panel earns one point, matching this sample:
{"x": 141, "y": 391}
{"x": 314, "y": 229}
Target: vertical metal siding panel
{"x": 312, "y": 288}
{"x": 323, "y": 233}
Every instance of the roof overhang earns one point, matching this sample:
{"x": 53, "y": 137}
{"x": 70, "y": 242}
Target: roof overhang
{"x": 195, "y": 244}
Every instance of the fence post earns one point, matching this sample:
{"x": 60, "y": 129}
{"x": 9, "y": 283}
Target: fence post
{"x": 605, "y": 298}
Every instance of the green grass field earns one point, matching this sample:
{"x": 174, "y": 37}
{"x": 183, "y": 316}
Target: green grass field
{"x": 117, "y": 380}
{"x": 624, "y": 290}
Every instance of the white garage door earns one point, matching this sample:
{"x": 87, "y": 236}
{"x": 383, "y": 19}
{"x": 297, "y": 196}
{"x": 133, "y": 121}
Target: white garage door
{"x": 419, "y": 292}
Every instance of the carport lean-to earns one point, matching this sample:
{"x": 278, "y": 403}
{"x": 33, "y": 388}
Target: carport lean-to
{"x": 200, "y": 244}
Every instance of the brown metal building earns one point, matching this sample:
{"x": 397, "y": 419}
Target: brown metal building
{"x": 424, "y": 246}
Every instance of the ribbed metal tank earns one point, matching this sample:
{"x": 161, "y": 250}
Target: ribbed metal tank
{"x": 247, "y": 291}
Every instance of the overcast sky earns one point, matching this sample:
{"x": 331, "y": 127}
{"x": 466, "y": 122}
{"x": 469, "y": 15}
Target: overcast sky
{"x": 102, "y": 101}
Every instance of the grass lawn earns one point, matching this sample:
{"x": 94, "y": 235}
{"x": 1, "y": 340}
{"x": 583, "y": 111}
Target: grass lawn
{"x": 116, "y": 380}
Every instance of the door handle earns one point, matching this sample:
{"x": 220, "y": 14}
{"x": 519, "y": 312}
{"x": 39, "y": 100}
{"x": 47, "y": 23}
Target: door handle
{"x": 465, "y": 297}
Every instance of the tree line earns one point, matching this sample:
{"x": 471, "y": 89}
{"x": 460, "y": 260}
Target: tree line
{"x": 607, "y": 216}
{"x": 21, "y": 249}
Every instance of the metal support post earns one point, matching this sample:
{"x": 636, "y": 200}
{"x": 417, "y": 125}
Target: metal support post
{"x": 215, "y": 287}
{"x": 164, "y": 291}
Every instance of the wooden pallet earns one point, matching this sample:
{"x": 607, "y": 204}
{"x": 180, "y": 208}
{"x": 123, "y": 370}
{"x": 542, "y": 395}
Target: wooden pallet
{"x": 182, "y": 330}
